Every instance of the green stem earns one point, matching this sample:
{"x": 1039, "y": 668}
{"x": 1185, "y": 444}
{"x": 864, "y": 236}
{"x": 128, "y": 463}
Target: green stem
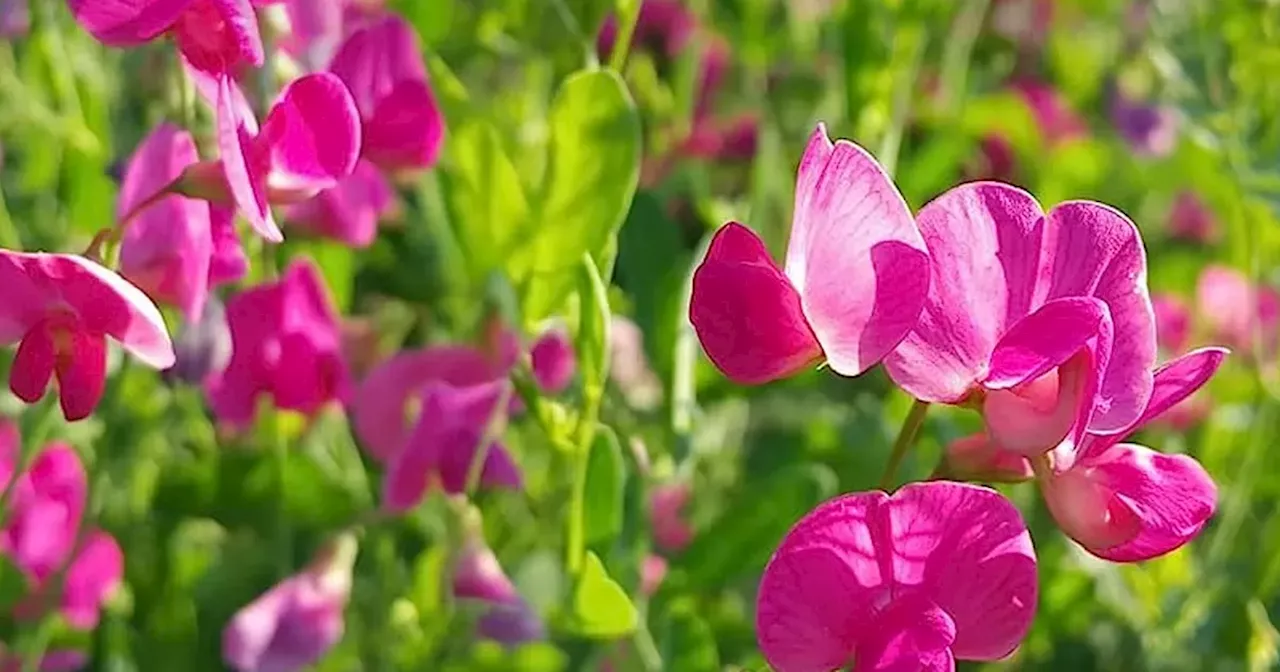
{"x": 493, "y": 428}
{"x": 627, "y": 21}
{"x": 577, "y": 545}
{"x": 891, "y": 143}
{"x": 280, "y": 455}
{"x": 906, "y": 437}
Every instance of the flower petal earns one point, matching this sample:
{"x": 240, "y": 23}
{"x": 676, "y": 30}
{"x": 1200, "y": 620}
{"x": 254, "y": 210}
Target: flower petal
{"x": 348, "y": 212}
{"x": 745, "y": 312}
{"x": 243, "y": 163}
{"x": 219, "y": 36}
{"x": 1091, "y": 249}
{"x": 375, "y": 58}
{"x": 82, "y": 375}
{"x": 406, "y": 129}
{"x": 96, "y": 573}
{"x": 125, "y": 23}
{"x": 109, "y": 304}
{"x": 312, "y": 134}
{"x": 228, "y": 263}
{"x": 984, "y": 245}
{"x": 859, "y": 263}
{"x": 912, "y": 635}
{"x": 33, "y": 365}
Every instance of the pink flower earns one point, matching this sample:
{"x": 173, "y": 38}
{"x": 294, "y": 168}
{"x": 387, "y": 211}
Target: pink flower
{"x": 977, "y": 458}
{"x": 1236, "y": 311}
{"x": 315, "y": 29}
{"x": 937, "y": 572}
{"x": 285, "y": 343}
{"x": 1041, "y": 320}
{"x": 665, "y": 26}
{"x": 855, "y": 279}
{"x": 293, "y": 625}
{"x": 1173, "y": 322}
{"x": 1191, "y": 220}
{"x": 478, "y": 576}
{"x": 653, "y": 570}
{"x": 666, "y": 506}
{"x": 168, "y": 247}
{"x": 445, "y": 442}
{"x": 727, "y": 140}
{"x": 1124, "y": 502}
{"x": 310, "y": 142}
{"x": 553, "y": 361}
{"x": 382, "y": 65}
{"x": 629, "y": 367}
{"x": 61, "y": 308}
{"x": 39, "y": 536}
{"x": 348, "y": 212}
{"x": 1149, "y": 130}
{"x": 15, "y": 18}
{"x": 57, "y": 660}
{"x": 1057, "y": 122}
{"x": 215, "y": 36}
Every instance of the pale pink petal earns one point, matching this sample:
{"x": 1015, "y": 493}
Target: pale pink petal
{"x": 315, "y": 30}
{"x": 812, "y": 164}
{"x": 96, "y": 573}
{"x": 124, "y": 23}
{"x": 406, "y": 129}
{"x": 1130, "y": 503}
{"x": 82, "y": 375}
{"x": 984, "y": 245}
{"x": 745, "y": 312}
{"x": 312, "y": 134}
{"x": 977, "y": 458}
{"x": 244, "y": 163}
{"x": 1092, "y": 249}
{"x": 863, "y": 274}
{"x": 47, "y": 505}
{"x": 1229, "y": 304}
{"x": 247, "y": 638}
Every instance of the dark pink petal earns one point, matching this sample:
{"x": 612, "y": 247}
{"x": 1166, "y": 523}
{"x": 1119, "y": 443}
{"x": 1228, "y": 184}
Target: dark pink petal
{"x": 219, "y": 36}
{"x": 553, "y": 361}
{"x": 96, "y": 573}
{"x": 478, "y": 576}
{"x": 349, "y": 212}
{"x": 376, "y": 58}
{"x": 10, "y": 444}
{"x": 1044, "y": 376}
{"x": 667, "y": 518}
{"x": 1092, "y": 249}
{"x": 858, "y": 263}
{"x": 1130, "y": 503}
{"x": 228, "y": 263}
{"x": 913, "y": 635}
{"x": 746, "y": 313}
{"x": 984, "y": 245}
{"x": 124, "y": 23}
{"x": 245, "y": 164}
{"x": 82, "y": 374}
{"x": 48, "y": 502}
{"x": 312, "y": 134}
{"x": 500, "y": 471}
{"x": 27, "y": 296}
{"x": 1191, "y": 220}
{"x": 33, "y": 365}
{"x": 406, "y": 129}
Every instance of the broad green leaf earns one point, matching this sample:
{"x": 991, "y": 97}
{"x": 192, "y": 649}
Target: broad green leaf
{"x": 592, "y": 170}
{"x": 606, "y": 484}
{"x": 593, "y": 325}
{"x": 600, "y": 608}
{"x": 483, "y": 195}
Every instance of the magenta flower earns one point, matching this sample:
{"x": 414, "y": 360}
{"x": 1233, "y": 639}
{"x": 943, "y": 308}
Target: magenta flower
{"x": 937, "y": 572}
{"x": 214, "y": 36}
{"x": 382, "y": 65}
{"x": 40, "y": 531}
{"x": 445, "y": 442}
{"x": 168, "y": 247}
{"x": 15, "y": 18}
{"x": 653, "y": 570}
{"x": 553, "y": 361}
{"x": 285, "y": 343}
{"x": 1173, "y": 322}
{"x": 666, "y": 516}
{"x": 1041, "y": 320}
{"x": 1191, "y": 220}
{"x": 58, "y": 660}
{"x": 1149, "y": 130}
{"x": 61, "y": 308}
{"x": 315, "y": 29}
{"x": 293, "y": 625}
{"x": 1236, "y": 310}
{"x": 1124, "y": 502}
{"x": 1056, "y": 120}
{"x": 348, "y": 212}
{"x": 664, "y": 26}
{"x": 855, "y": 279}
{"x": 478, "y": 576}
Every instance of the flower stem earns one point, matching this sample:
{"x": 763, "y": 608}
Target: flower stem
{"x": 906, "y": 436}
{"x": 493, "y": 428}
{"x": 577, "y": 545}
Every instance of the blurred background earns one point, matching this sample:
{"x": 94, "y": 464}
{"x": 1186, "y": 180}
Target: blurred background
{"x": 1168, "y": 110}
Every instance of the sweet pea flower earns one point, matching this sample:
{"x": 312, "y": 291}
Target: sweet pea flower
{"x": 1053, "y": 115}
{"x": 348, "y": 212}
{"x": 40, "y": 531}
{"x": 666, "y": 515}
{"x": 169, "y": 248}
{"x": 855, "y": 278}
{"x": 478, "y": 576}
{"x": 309, "y": 142}
{"x": 1191, "y": 220}
{"x": 553, "y": 361}
{"x": 15, "y": 18}
{"x": 293, "y": 625}
{"x": 935, "y": 573}
{"x": 1127, "y": 503}
{"x": 1173, "y": 322}
{"x": 1235, "y": 310}
{"x": 1149, "y": 130}
{"x": 444, "y": 444}
{"x": 315, "y": 30}
{"x": 1040, "y": 320}
{"x": 61, "y": 308}
{"x": 403, "y": 126}
{"x": 214, "y": 36}
{"x": 285, "y": 343}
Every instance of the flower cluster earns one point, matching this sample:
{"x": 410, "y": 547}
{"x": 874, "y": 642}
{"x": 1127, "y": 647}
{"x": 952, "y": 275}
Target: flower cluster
{"x": 1039, "y": 321}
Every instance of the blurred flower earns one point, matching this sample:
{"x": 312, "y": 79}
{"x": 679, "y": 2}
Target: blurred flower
{"x": 445, "y": 444}
{"x": 293, "y": 625}
{"x": 315, "y": 30}
{"x": 167, "y": 249}
{"x": 203, "y": 347}
{"x": 284, "y": 343}
{"x": 1191, "y": 220}
{"x": 996, "y": 160}
{"x": 1150, "y": 130}
{"x": 553, "y": 361}
{"x": 403, "y": 126}
{"x": 666, "y": 516}
{"x": 758, "y": 323}
{"x": 936, "y": 572}
{"x": 1024, "y": 22}
{"x": 1127, "y": 503}
{"x": 214, "y": 36}
{"x": 1173, "y": 322}
{"x": 653, "y": 569}
{"x": 511, "y": 624}
{"x": 629, "y": 365}
{"x": 1054, "y": 118}
{"x": 62, "y": 308}
{"x": 360, "y": 345}
{"x": 309, "y": 142}
{"x": 15, "y": 18}
{"x": 1236, "y": 311}
{"x": 728, "y": 140}
{"x": 1054, "y": 338}
{"x": 40, "y": 535}
{"x": 663, "y": 26}
{"x": 348, "y": 212}
{"x": 478, "y": 576}
{"x": 57, "y": 660}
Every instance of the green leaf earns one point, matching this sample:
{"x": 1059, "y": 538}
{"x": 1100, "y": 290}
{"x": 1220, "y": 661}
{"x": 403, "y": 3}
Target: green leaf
{"x": 483, "y": 195}
{"x": 336, "y": 263}
{"x": 606, "y": 485}
{"x": 688, "y": 642}
{"x": 592, "y": 171}
{"x": 593, "y": 325}
{"x": 601, "y": 608}
{"x": 13, "y": 584}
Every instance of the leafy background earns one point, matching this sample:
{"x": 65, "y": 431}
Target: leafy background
{"x": 544, "y": 151}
